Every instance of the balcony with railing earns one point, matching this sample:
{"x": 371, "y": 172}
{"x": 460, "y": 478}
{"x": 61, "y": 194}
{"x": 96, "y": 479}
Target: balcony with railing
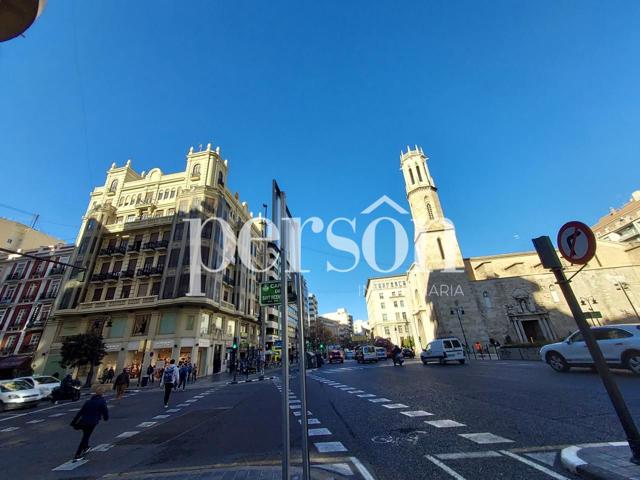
{"x": 127, "y": 274}
{"x": 27, "y": 298}
{"x": 28, "y": 348}
{"x": 46, "y": 296}
{"x": 6, "y": 300}
{"x": 119, "y": 303}
{"x": 149, "y": 271}
{"x": 106, "y": 252}
{"x": 14, "y": 277}
{"x": 38, "y": 322}
{"x": 162, "y": 244}
{"x": 120, "y": 250}
{"x": 112, "y": 276}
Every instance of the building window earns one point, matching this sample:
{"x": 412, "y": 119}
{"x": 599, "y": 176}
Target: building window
{"x": 401, "y": 303}
{"x": 97, "y": 295}
{"x": 418, "y": 172}
{"x": 35, "y": 338}
{"x": 173, "y": 193}
{"x": 386, "y": 331}
{"x": 399, "y": 328}
{"x": 141, "y": 324}
{"x": 440, "y": 248}
{"x": 196, "y": 170}
{"x": 487, "y": 299}
{"x": 395, "y": 304}
{"x": 382, "y": 305}
{"x": 126, "y": 291}
{"x": 429, "y": 209}
{"x": 381, "y": 295}
{"x": 404, "y": 315}
{"x": 411, "y": 175}
{"x": 111, "y": 293}
{"x": 114, "y": 186}
{"x": 384, "y": 317}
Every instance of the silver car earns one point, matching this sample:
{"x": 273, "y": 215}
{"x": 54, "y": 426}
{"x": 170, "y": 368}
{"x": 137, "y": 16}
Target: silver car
{"x": 18, "y": 394}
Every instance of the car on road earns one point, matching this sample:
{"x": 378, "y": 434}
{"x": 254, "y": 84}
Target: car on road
{"x": 620, "y": 345}
{"x": 349, "y": 354}
{"x": 381, "y": 353}
{"x": 43, "y": 383}
{"x": 443, "y": 350}
{"x": 18, "y": 394}
{"x": 408, "y": 353}
{"x": 366, "y": 353}
{"x": 336, "y": 356}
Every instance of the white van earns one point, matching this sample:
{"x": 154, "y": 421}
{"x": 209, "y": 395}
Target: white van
{"x": 366, "y": 353}
{"x": 448, "y": 349}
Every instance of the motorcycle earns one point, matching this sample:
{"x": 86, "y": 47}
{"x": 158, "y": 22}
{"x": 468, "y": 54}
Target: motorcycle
{"x": 68, "y": 392}
{"x": 398, "y": 360}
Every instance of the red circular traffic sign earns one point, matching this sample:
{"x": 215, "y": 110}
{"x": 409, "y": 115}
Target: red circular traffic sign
{"x": 576, "y": 242}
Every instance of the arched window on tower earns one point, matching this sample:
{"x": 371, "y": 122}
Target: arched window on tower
{"x": 419, "y": 174}
{"x": 173, "y": 193}
{"x": 413, "y": 180}
{"x": 429, "y": 209}
{"x": 114, "y": 186}
{"x": 160, "y": 195}
{"x": 196, "y": 170}
{"x": 440, "y": 248}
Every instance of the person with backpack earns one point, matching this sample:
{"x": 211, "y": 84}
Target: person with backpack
{"x": 88, "y": 418}
{"x": 170, "y": 378}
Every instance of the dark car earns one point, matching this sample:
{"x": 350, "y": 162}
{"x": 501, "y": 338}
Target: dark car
{"x": 408, "y": 353}
{"x": 336, "y": 356}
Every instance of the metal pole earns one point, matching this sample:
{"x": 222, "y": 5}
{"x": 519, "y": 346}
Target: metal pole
{"x": 263, "y": 309}
{"x": 306, "y": 469}
{"x": 628, "y": 425}
{"x": 284, "y": 331}
{"x": 464, "y": 335}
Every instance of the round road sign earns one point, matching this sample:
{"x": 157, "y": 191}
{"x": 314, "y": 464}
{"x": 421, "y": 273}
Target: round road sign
{"x": 576, "y": 242}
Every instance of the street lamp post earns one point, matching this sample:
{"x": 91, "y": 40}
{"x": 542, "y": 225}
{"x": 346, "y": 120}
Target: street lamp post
{"x": 459, "y": 311}
{"x": 590, "y": 302}
{"x": 624, "y": 286}
{"x": 263, "y": 309}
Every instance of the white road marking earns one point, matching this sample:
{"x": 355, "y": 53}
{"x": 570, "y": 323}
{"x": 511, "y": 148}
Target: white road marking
{"x": 484, "y": 438}
{"x": 356, "y": 391}
{"x": 444, "y": 423}
{"x": 35, "y": 421}
{"x": 340, "y": 468}
{"x": 160, "y": 417}
{"x": 416, "y": 413}
{"x": 366, "y": 395}
{"x": 103, "y": 447}
{"x": 330, "y": 447}
{"x": 379, "y": 400}
{"x": 73, "y": 410}
{"x": 548, "y": 458}
{"x": 127, "y": 434}
{"x": 70, "y": 465}
{"x": 29, "y": 413}
{"x": 9, "y": 429}
{"x": 147, "y": 424}
{"x": 313, "y": 432}
{"x": 311, "y": 421}
{"x": 538, "y": 467}
{"x": 395, "y": 405}
{"x": 172, "y": 410}
{"x": 53, "y": 415}
{"x": 182, "y": 405}
{"x": 295, "y": 406}
{"x": 467, "y": 455}
{"x": 450, "y": 471}
{"x": 361, "y": 468}
{"x": 296, "y": 413}
{"x": 293, "y": 402}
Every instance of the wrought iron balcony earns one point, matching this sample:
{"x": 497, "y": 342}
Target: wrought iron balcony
{"x": 112, "y": 276}
{"x": 149, "y": 246}
{"x": 144, "y": 272}
{"x": 27, "y": 298}
{"x": 47, "y": 296}
{"x": 127, "y": 274}
{"x": 59, "y": 270}
{"x": 120, "y": 250}
{"x": 162, "y": 244}
{"x": 106, "y": 251}
{"x": 157, "y": 270}
{"x": 134, "y": 247}
{"x": 99, "y": 277}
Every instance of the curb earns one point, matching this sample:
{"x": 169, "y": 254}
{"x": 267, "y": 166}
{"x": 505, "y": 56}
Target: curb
{"x": 572, "y": 462}
{"x": 250, "y": 380}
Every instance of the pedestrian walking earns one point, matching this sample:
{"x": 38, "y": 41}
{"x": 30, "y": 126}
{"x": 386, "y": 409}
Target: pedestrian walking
{"x": 88, "y": 418}
{"x": 184, "y": 375}
{"x": 169, "y": 379}
{"x": 151, "y": 373}
{"x": 194, "y": 373}
{"x": 110, "y": 374}
{"x": 121, "y": 384}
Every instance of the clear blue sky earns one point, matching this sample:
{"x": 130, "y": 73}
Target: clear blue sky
{"x": 529, "y": 111}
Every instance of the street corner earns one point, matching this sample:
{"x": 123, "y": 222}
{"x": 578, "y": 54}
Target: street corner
{"x": 600, "y": 461}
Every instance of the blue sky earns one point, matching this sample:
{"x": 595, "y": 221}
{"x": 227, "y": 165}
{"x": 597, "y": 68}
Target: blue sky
{"x": 529, "y": 111}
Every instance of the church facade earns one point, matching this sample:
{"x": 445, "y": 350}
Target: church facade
{"x": 507, "y": 298}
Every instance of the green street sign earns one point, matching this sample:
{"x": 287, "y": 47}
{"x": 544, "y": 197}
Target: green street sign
{"x": 270, "y": 293}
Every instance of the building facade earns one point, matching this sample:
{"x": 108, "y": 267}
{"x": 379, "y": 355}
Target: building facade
{"x": 344, "y": 322}
{"x": 621, "y": 225}
{"x": 134, "y": 247}
{"x": 389, "y": 310}
{"x": 28, "y": 289}
{"x": 508, "y": 298}
{"x": 15, "y": 235}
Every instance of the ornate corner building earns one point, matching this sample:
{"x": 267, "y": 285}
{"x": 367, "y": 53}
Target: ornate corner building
{"x": 132, "y": 283}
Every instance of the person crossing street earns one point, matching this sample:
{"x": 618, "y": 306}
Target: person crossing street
{"x": 88, "y": 418}
{"x": 170, "y": 377}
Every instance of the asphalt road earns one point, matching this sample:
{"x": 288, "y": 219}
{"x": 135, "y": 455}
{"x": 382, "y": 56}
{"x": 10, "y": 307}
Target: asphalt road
{"x": 489, "y": 419}
{"x": 511, "y": 418}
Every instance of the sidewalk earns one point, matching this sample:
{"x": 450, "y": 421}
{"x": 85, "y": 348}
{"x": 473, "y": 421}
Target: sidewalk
{"x": 606, "y": 461}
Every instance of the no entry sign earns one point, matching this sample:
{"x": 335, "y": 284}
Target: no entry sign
{"x": 576, "y": 242}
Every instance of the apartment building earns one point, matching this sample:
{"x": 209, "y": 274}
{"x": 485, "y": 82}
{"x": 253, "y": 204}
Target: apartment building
{"x": 28, "y": 289}
{"x": 389, "y": 309}
{"x": 133, "y": 285}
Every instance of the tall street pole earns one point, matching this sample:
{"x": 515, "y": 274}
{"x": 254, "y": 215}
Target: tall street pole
{"x": 263, "y": 309}
{"x": 306, "y": 469}
{"x": 284, "y": 318}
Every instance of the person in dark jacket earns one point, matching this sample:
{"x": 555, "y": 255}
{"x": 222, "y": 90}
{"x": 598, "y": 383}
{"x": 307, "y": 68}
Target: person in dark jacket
{"x": 121, "y": 384}
{"x": 87, "y": 418}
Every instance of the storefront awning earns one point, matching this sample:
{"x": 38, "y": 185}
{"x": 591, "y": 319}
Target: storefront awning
{"x": 14, "y": 362}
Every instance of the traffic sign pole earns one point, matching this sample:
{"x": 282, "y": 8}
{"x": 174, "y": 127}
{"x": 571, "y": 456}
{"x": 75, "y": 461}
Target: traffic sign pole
{"x": 302, "y": 368}
{"x": 550, "y": 259}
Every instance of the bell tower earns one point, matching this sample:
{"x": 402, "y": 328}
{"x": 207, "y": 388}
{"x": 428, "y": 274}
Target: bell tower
{"x": 436, "y": 245}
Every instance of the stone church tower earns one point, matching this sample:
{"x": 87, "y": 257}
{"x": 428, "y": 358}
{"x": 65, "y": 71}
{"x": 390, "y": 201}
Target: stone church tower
{"x": 436, "y": 244}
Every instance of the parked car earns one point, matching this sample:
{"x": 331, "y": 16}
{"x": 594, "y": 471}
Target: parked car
{"x": 18, "y": 394}
{"x": 408, "y": 353}
{"x": 43, "y": 383}
{"x": 620, "y": 345}
{"x": 366, "y": 353}
{"x": 443, "y": 350}
{"x": 381, "y": 353}
{"x": 336, "y": 356}
{"x": 349, "y": 354}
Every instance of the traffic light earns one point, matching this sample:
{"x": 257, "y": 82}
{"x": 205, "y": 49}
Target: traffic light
{"x": 235, "y": 344}
{"x": 321, "y": 346}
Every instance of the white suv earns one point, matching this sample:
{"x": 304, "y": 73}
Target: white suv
{"x": 620, "y": 345}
